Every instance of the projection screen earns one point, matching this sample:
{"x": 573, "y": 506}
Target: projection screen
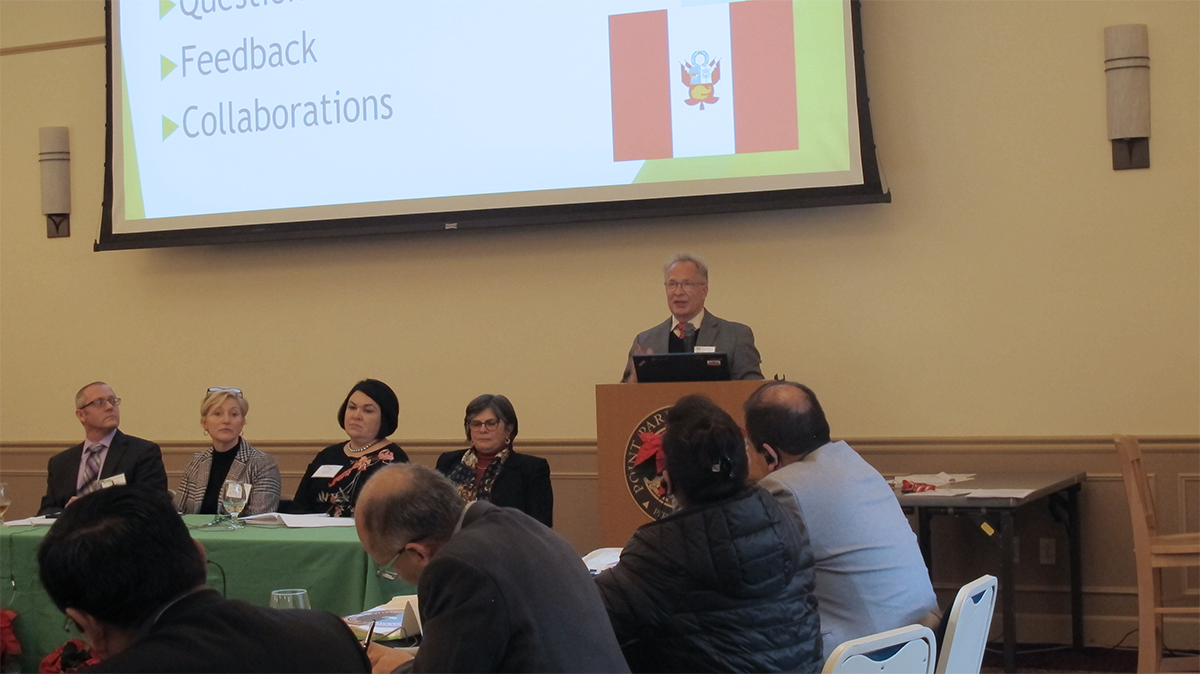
{"x": 243, "y": 120}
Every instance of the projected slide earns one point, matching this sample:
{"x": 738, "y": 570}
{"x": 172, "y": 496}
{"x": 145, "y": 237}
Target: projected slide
{"x": 231, "y": 112}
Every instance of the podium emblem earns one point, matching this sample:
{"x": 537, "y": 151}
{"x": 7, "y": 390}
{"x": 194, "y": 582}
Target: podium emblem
{"x": 644, "y": 462}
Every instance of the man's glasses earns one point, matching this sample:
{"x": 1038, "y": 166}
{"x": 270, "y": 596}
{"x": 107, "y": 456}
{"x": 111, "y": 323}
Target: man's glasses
{"x": 684, "y": 285}
{"x": 385, "y": 571}
{"x": 100, "y": 403}
{"x": 490, "y": 424}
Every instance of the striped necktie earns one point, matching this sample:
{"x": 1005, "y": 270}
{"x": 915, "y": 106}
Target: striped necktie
{"x": 91, "y": 468}
{"x": 680, "y": 331}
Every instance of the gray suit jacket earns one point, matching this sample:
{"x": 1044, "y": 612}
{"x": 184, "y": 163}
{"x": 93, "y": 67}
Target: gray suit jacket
{"x": 507, "y": 594}
{"x": 734, "y": 339}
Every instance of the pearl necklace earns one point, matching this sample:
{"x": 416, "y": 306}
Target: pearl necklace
{"x": 352, "y": 451}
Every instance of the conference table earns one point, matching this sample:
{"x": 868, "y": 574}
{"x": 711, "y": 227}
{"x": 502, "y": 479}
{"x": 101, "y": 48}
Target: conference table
{"x": 245, "y": 563}
{"x": 995, "y": 516}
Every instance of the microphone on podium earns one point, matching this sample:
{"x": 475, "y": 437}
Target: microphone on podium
{"x": 689, "y": 338}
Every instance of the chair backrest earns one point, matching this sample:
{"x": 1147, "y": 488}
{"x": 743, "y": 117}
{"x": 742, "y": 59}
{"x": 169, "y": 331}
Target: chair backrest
{"x": 967, "y": 628}
{"x": 908, "y": 650}
{"x": 1137, "y": 492}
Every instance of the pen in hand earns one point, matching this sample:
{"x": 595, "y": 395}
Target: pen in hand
{"x": 370, "y": 633}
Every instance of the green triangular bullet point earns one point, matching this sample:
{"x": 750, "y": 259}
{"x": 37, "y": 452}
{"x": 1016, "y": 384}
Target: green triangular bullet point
{"x": 168, "y": 127}
{"x": 167, "y": 66}
{"x": 164, "y": 6}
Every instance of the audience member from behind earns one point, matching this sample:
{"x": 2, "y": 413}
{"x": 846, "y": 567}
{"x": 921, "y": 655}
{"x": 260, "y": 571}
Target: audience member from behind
{"x": 498, "y": 592}
{"x": 122, "y": 565}
{"x": 106, "y": 453}
{"x": 222, "y": 416}
{"x": 870, "y": 573}
{"x": 490, "y": 470}
{"x": 726, "y": 583}
{"x": 369, "y": 414}
{"x": 691, "y": 327}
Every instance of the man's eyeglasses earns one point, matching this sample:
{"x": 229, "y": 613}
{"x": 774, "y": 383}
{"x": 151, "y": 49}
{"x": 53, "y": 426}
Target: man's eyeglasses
{"x": 100, "y": 403}
{"x": 490, "y": 424}
{"x": 385, "y": 571}
{"x": 684, "y": 285}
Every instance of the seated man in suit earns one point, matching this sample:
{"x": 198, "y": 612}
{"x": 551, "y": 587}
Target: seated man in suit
{"x": 870, "y": 573}
{"x": 497, "y": 590}
{"x": 122, "y": 565}
{"x": 105, "y": 453}
{"x": 686, "y": 279}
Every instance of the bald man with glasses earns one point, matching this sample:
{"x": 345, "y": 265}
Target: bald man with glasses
{"x": 106, "y": 456}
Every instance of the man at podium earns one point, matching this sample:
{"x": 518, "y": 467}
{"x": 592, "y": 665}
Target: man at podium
{"x": 691, "y": 328}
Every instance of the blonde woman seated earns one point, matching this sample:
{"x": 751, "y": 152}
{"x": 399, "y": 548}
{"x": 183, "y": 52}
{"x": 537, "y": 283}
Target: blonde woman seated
{"x": 222, "y": 416}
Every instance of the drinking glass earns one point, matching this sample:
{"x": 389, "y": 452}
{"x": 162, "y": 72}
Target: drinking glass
{"x": 5, "y": 501}
{"x": 290, "y": 599}
{"x": 233, "y": 498}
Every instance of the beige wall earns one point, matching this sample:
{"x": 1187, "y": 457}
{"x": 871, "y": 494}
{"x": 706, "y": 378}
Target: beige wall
{"x": 1017, "y": 286}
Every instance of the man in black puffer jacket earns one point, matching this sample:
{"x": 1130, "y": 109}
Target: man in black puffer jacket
{"x": 726, "y": 583}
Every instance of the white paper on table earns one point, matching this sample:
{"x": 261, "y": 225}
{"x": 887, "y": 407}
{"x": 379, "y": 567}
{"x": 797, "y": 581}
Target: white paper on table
{"x": 936, "y": 480}
{"x": 1000, "y": 493}
{"x": 602, "y": 558}
{"x": 31, "y": 522}
{"x": 941, "y": 492}
{"x": 299, "y": 521}
{"x": 399, "y": 618}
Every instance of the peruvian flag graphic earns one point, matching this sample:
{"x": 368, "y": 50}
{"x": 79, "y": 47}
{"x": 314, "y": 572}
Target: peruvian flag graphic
{"x": 700, "y": 81}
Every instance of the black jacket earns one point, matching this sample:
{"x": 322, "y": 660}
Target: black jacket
{"x": 139, "y": 460}
{"x": 205, "y": 632}
{"x": 722, "y": 587}
{"x": 523, "y": 483}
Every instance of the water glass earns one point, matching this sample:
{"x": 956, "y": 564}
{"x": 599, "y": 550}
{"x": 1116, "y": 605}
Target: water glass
{"x": 233, "y": 498}
{"x": 5, "y": 501}
{"x": 290, "y": 599}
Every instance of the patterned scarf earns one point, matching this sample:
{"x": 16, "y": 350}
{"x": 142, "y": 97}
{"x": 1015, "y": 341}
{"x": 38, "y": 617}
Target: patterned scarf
{"x": 463, "y": 475}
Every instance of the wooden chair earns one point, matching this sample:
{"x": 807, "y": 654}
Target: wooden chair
{"x": 967, "y": 627}
{"x": 906, "y": 650}
{"x": 1153, "y": 552}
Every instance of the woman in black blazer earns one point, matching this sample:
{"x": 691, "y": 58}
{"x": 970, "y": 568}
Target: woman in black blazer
{"x": 489, "y": 470}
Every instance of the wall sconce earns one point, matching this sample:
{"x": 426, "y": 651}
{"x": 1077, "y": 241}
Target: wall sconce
{"x": 55, "y": 160}
{"x": 1127, "y": 69}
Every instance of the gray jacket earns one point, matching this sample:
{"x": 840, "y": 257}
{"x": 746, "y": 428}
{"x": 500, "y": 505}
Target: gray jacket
{"x": 734, "y": 339}
{"x": 250, "y": 465}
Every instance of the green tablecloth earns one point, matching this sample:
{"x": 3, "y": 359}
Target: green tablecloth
{"x": 328, "y": 562}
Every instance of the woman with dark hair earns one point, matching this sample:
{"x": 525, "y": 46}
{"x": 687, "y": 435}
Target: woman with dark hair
{"x": 490, "y": 470}
{"x": 369, "y": 414}
{"x": 725, "y": 583}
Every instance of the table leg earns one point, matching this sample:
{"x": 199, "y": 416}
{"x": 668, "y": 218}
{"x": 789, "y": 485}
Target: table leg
{"x": 1008, "y": 592}
{"x": 1074, "y": 537}
{"x": 925, "y": 539}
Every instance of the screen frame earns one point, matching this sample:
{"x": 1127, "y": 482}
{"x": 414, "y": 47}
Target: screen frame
{"x": 873, "y": 190}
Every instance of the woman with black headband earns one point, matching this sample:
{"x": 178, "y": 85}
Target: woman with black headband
{"x": 369, "y": 414}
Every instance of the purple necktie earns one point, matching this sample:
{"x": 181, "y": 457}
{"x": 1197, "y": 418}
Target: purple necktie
{"x": 91, "y": 469}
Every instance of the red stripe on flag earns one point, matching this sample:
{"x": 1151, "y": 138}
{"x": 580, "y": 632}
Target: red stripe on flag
{"x": 764, "y": 76}
{"x": 641, "y": 87}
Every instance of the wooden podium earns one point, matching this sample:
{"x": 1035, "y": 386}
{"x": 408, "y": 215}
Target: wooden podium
{"x": 623, "y": 411}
